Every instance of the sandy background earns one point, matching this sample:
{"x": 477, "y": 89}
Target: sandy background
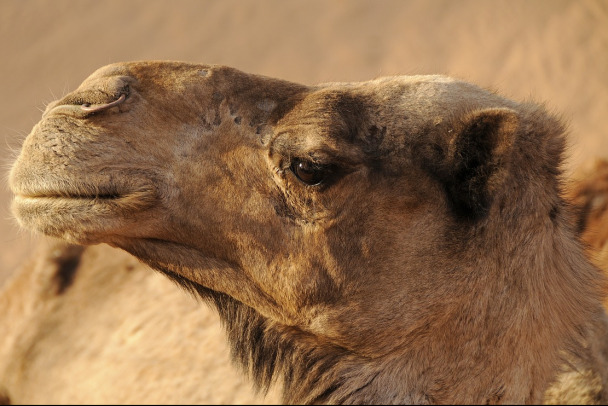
{"x": 554, "y": 51}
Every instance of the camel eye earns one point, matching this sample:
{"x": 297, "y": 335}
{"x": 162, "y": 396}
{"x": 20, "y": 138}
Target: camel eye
{"x": 308, "y": 172}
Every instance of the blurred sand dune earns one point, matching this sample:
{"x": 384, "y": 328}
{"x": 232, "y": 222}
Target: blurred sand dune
{"x": 554, "y": 51}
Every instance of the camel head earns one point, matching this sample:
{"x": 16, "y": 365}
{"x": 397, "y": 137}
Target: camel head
{"x": 397, "y": 240}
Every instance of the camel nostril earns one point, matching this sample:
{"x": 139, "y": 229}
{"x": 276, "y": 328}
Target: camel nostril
{"x": 93, "y": 109}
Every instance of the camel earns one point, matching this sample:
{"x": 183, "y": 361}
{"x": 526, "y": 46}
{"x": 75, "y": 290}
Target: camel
{"x": 400, "y": 240}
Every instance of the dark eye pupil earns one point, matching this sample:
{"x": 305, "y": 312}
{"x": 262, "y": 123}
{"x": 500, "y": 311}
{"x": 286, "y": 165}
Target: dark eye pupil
{"x": 308, "y": 172}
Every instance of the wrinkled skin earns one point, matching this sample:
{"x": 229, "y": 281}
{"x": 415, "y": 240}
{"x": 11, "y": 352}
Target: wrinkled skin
{"x": 402, "y": 240}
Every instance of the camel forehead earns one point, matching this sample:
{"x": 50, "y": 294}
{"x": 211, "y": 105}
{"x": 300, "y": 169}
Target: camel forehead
{"x": 395, "y": 101}
{"x": 401, "y": 105}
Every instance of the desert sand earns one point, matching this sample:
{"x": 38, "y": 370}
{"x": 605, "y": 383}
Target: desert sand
{"x": 551, "y": 51}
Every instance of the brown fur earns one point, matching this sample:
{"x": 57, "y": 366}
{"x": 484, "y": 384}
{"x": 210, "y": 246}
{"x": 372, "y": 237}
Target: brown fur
{"x": 435, "y": 262}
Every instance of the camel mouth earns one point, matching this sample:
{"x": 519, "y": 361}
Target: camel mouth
{"x": 82, "y": 214}
{"x": 75, "y": 191}
{"x": 70, "y": 196}
{"x": 138, "y": 198}
{"x": 49, "y": 188}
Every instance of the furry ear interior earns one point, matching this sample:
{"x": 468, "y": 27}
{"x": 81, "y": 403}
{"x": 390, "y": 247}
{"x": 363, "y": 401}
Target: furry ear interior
{"x": 476, "y": 157}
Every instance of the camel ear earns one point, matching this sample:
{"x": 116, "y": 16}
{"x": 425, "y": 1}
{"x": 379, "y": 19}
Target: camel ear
{"x": 476, "y": 158}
